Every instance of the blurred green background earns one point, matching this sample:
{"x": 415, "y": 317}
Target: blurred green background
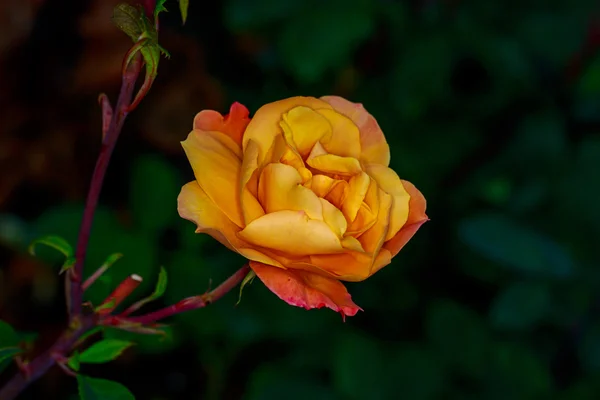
{"x": 491, "y": 108}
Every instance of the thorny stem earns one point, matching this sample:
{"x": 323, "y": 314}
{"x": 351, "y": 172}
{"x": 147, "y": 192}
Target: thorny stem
{"x": 41, "y": 364}
{"x": 74, "y": 277}
{"x": 194, "y": 302}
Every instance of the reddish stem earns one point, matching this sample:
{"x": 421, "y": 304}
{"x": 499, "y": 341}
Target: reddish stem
{"x": 122, "y": 291}
{"x": 194, "y": 302}
{"x": 41, "y": 364}
{"x": 74, "y": 276}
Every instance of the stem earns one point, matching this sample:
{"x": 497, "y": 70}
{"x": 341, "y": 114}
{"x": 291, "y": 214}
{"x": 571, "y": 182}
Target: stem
{"x": 74, "y": 277}
{"x": 41, "y": 364}
{"x": 194, "y": 302}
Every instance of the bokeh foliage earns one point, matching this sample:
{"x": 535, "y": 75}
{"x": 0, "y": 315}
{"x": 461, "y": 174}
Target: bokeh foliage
{"x": 491, "y": 108}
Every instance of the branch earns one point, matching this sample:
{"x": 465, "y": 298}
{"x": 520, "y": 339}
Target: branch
{"x": 41, "y": 364}
{"x": 194, "y": 302}
{"x": 74, "y": 277}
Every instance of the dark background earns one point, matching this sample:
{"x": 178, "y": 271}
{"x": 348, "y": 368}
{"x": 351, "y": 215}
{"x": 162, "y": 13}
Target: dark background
{"x": 491, "y": 108}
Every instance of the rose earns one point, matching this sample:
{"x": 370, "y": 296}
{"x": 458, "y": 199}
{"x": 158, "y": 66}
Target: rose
{"x": 303, "y": 190}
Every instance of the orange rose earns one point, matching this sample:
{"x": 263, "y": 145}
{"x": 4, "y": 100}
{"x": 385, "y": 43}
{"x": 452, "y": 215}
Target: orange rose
{"x": 303, "y": 190}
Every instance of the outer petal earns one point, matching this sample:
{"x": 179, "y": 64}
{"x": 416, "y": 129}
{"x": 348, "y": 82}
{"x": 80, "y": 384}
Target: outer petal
{"x": 194, "y": 205}
{"x": 306, "y": 289}
{"x": 264, "y": 126}
{"x": 233, "y": 124}
{"x": 350, "y": 266}
{"x": 215, "y": 159}
{"x": 389, "y": 182}
{"x": 292, "y": 232}
{"x": 416, "y": 218}
{"x": 374, "y": 147}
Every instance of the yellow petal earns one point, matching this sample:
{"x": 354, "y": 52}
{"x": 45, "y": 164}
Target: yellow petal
{"x": 375, "y": 149}
{"x": 389, "y": 182}
{"x": 251, "y": 208}
{"x": 291, "y": 232}
{"x": 416, "y": 218}
{"x": 352, "y": 266}
{"x": 216, "y": 161}
{"x": 320, "y": 184}
{"x": 303, "y": 127}
{"x": 373, "y": 238}
{"x": 344, "y": 138}
{"x": 280, "y": 188}
{"x": 353, "y": 244}
{"x": 364, "y": 220}
{"x": 358, "y": 186}
{"x": 334, "y": 218}
{"x": 264, "y": 126}
{"x": 194, "y": 205}
{"x": 332, "y": 164}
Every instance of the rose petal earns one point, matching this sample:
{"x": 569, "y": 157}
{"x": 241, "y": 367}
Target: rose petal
{"x": 358, "y": 185}
{"x": 216, "y": 161}
{"x": 375, "y": 149}
{"x": 351, "y": 266}
{"x": 303, "y": 127}
{"x": 280, "y": 189}
{"x": 373, "y": 238}
{"x": 334, "y": 218}
{"x": 233, "y": 124}
{"x": 251, "y": 208}
{"x": 331, "y": 163}
{"x": 344, "y": 138}
{"x": 416, "y": 218}
{"x": 306, "y": 289}
{"x": 291, "y": 232}
{"x": 389, "y": 182}
{"x": 264, "y": 126}
{"x": 194, "y": 205}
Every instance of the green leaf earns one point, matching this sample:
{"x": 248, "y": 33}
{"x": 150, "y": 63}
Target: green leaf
{"x": 101, "y": 389}
{"x": 103, "y": 351}
{"x": 8, "y": 336}
{"x": 148, "y": 344}
{"x": 159, "y": 290}
{"x": 73, "y": 361}
{"x": 458, "y": 335}
{"x": 59, "y": 244}
{"x": 520, "y": 306}
{"x": 8, "y": 352}
{"x": 247, "y": 280}
{"x": 506, "y": 242}
{"x": 8, "y": 339}
{"x": 160, "y": 7}
{"x": 129, "y": 19}
{"x": 183, "y": 8}
{"x": 154, "y": 187}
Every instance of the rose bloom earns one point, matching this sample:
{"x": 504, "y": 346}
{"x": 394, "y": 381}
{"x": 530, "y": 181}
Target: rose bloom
{"x": 302, "y": 190}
